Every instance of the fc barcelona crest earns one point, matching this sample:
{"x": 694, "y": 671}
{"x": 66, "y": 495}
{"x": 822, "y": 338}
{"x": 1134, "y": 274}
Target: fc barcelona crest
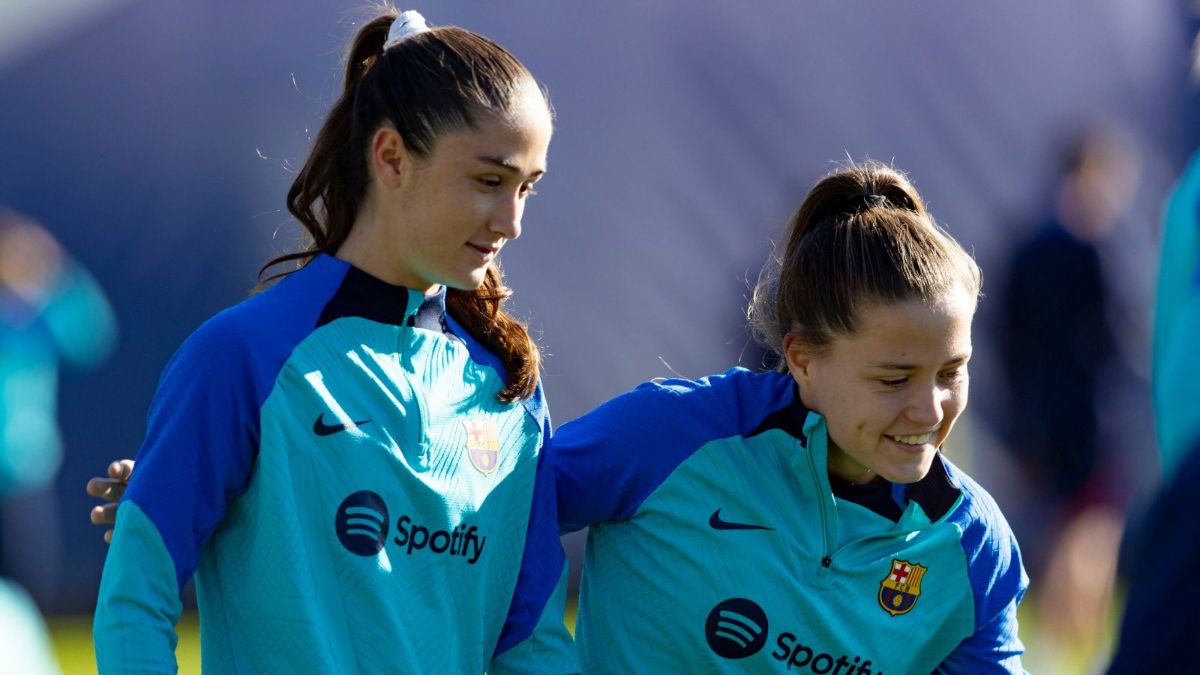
{"x": 483, "y": 445}
{"x": 899, "y": 590}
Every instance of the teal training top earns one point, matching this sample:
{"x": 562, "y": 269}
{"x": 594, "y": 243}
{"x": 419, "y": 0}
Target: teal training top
{"x": 330, "y": 460}
{"x": 1177, "y": 324}
{"x": 719, "y": 545}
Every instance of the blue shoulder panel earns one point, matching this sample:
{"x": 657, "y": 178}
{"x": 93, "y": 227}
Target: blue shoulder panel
{"x": 202, "y": 431}
{"x": 998, "y": 579}
{"x": 608, "y": 461}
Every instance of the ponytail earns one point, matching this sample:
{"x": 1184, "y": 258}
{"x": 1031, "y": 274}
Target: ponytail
{"x": 326, "y": 194}
{"x": 479, "y": 311}
{"x": 862, "y": 234}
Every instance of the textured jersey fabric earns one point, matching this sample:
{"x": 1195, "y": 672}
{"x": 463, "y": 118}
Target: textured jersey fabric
{"x": 1177, "y": 324}
{"x": 720, "y": 547}
{"x": 330, "y": 461}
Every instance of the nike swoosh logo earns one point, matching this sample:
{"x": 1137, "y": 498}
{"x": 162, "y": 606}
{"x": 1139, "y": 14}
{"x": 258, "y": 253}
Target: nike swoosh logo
{"x": 322, "y": 429}
{"x": 715, "y": 522}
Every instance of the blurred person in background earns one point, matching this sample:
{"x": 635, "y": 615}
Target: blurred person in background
{"x": 1161, "y": 622}
{"x": 1059, "y": 349}
{"x": 51, "y": 312}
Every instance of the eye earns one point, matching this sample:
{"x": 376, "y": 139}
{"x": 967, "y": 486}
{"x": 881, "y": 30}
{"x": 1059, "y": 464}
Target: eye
{"x": 527, "y": 190}
{"x": 954, "y": 375}
{"x": 490, "y": 182}
{"x": 894, "y": 383}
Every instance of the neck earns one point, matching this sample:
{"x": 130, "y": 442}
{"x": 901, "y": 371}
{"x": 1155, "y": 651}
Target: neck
{"x": 841, "y": 465}
{"x": 366, "y": 247}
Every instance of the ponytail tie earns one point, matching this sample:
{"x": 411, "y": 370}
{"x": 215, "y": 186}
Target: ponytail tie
{"x": 408, "y": 24}
{"x": 863, "y": 202}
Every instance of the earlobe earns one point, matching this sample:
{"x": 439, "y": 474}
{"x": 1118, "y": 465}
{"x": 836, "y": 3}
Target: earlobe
{"x": 798, "y": 359}
{"x": 389, "y": 157}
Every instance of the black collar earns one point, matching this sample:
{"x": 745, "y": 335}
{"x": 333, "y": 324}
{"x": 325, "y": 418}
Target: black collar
{"x": 362, "y": 295}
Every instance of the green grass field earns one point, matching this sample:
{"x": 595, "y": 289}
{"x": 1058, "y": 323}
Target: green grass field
{"x": 72, "y": 637}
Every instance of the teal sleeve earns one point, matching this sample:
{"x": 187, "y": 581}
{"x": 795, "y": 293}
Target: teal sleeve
{"x": 550, "y": 649}
{"x": 1177, "y": 387}
{"x": 134, "y": 627}
{"x": 995, "y": 649}
{"x": 1177, "y": 322}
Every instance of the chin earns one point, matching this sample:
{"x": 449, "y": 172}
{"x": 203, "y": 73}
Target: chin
{"x": 469, "y": 282}
{"x": 907, "y": 474}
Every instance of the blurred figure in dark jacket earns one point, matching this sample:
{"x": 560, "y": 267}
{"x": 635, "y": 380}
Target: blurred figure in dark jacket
{"x": 1058, "y": 348}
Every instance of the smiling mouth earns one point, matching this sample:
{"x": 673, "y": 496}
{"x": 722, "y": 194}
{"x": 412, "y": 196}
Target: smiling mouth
{"x": 487, "y": 253}
{"x": 918, "y": 440}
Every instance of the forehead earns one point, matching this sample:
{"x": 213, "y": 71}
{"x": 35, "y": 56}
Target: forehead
{"x": 912, "y": 332}
{"x": 519, "y": 138}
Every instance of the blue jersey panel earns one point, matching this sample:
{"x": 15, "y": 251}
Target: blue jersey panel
{"x": 203, "y": 431}
{"x": 610, "y": 460}
{"x": 998, "y": 580}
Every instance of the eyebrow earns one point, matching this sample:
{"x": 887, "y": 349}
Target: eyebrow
{"x": 893, "y": 365}
{"x": 507, "y": 165}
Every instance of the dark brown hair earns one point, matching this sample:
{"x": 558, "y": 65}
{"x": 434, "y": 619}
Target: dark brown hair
{"x": 861, "y": 235}
{"x": 431, "y": 83}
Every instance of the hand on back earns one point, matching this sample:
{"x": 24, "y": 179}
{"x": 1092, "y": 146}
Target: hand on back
{"x": 110, "y": 488}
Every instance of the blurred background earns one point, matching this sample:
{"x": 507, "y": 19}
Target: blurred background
{"x": 146, "y": 148}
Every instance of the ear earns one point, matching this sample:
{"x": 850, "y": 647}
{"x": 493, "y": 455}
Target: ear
{"x": 799, "y": 361}
{"x": 390, "y": 159}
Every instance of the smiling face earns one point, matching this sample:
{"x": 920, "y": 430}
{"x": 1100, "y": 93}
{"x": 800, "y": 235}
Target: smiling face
{"x": 442, "y": 218}
{"x": 890, "y": 392}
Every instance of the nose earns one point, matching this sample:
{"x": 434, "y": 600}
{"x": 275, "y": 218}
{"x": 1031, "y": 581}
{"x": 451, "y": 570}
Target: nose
{"x": 506, "y": 220}
{"x": 926, "y": 406}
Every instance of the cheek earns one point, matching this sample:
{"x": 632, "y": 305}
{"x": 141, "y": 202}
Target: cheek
{"x": 954, "y": 406}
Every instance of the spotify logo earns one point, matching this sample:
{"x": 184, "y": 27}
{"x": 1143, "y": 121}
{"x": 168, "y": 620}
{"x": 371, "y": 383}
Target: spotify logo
{"x": 362, "y": 523}
{"x": 736, "y": 628}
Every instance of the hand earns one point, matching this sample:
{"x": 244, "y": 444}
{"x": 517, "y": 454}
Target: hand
{"x": 110, "y": 488}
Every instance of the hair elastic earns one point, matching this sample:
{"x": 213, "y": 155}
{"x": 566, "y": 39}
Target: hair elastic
{"x": 408, "y": 24}
{"x": 861, "y": 203}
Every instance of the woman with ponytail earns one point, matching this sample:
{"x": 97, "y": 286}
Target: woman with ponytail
{"x": 348, "y": 463}
{"x": 805, "y": 519}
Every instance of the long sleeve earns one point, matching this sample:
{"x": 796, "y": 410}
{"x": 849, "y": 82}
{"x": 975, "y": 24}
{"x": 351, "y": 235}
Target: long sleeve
{"x": 998, "y": 582}
{"x": 199, "y": 447}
